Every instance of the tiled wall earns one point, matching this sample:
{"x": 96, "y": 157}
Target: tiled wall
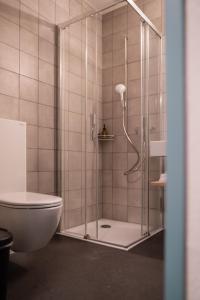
{"x": 28, "y": 92}
{"x": 28, "y": 78}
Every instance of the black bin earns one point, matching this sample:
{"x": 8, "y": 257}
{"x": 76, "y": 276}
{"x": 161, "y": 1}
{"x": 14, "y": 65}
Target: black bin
{"x": 5, "y": 244}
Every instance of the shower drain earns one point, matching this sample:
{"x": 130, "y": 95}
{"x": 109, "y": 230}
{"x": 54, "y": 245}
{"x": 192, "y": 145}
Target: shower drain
{"x": 105, "y": 226}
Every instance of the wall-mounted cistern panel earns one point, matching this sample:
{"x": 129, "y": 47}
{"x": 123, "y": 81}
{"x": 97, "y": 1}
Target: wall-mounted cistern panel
{"x": 13, "y": 156}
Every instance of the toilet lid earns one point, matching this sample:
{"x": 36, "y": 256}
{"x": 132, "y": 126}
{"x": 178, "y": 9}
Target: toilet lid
{"x": 29, "y": 200}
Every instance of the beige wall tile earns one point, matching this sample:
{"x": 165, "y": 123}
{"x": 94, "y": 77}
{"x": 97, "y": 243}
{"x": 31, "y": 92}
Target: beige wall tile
{"x": 47, "y": 51}
{"x": 46, "y": 116}
{"x": 75, "y": 65}
{"x": 6, "y": 77}
{"x": 75, "y": 199}
{"x": 75, "y": 84}
{"x": 75, "y": 161}
{"x": 75, "y": 141}
{"x": 75, "y": 47}
{"x": 120, "y": 144}
{"x": 32, "y": 160}
{"x": 107, "y": 195}
{"x": 28, "y": 89}
{"x": 28, "y": 65}
{"x": 120, "y": 196}
{"x": 134, "y": 70}
{"x": 28, "y": 42}
{"x": 47, "y": 9}
{"x": 153, "y": 9}
{"x": 75, "y": 103}
{"x": 32, "y": 182}
{"x": 134, "y": 53}
{"x": 29, "y": 112}
{"x": 119, "y": 179}
{"x": 118, "y": 74}
{"x": 46, "y": 72}
{"x": 107, "y": 211}
{"x": 107, "y": 27}
{"x": 134, "y": 215}
{"x": 107, "y": 93}
{"x": 120, "y": 212}
{"x": 9, "y": 107}
{"x": 9, "y": 58}
{"x": 9, "y": 33}
{"x": 107, "y": 161}
{"x": 29, "y": 19}
{"x": 119, "y": 40}
{"x": 32, "y": 4}
{"x": 46, "y": 138}
{"x": 9, "y": 9}
{"x": 75, "y": 217}
{"x": 75, "y": 182}
{"x": 107, "y": 110}
{"x": 46, "y": 160}
{"x": 119, "y": 161}
{"x": 46, "y": 94}
{"x": 61, "y": 14}
{"x": 107, "y": 45}
{"x": 47, "y": 31}
{"x": 135, "y": 197}
{"x": 75, "y": 124}
{"x": 118, "y": 57}
{"x": 32, "y": 136}
{"x": 46, "y": 182}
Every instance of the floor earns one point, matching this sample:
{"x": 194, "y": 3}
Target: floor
{"x": 71, "y": 269}
{"x": 120, "y": 233}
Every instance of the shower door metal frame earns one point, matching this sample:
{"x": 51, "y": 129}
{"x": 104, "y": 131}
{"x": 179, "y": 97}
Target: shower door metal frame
{"x": 144, "y": 38}
{"x": 61, "y": 28}
{"x": 93, "y": 12}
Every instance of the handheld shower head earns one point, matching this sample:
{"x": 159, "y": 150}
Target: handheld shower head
{"x": 121, "y": 89}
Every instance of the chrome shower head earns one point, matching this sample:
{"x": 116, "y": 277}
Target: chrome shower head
{"x": 121, "y": 89}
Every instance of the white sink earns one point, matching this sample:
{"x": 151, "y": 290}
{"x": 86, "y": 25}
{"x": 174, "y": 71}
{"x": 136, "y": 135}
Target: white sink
{"x": 157, "y": 148}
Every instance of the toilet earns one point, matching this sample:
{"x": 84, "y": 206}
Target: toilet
{"x": 32, "y": 218}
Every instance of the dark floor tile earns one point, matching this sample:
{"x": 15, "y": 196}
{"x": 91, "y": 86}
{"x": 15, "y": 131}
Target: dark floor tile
{"x": 69, "y": 269}
{"x": 153, "y": 247}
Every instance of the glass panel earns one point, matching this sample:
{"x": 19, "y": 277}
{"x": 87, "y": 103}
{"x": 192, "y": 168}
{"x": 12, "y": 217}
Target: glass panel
{"x": 71, "y": 118}
{"x": 103, "y": 198}
{"x": 121, "y": 201}
{"x": 145, "y": 127}
{"x": 92, "y": 121}
{"x": 156, "y": 131}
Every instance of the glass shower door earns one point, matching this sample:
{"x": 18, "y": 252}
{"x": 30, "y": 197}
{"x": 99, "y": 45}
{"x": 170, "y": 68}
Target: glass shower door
{"x": 92, "y": 123}
{"x": 96, "y": 55}
{"x": 152, "y": 200}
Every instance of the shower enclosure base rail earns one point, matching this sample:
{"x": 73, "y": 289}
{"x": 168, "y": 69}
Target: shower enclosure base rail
{"x": 108, "y": 244}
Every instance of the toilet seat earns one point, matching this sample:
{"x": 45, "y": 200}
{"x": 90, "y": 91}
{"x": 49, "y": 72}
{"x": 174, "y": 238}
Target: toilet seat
{"x": 28, "y": 200}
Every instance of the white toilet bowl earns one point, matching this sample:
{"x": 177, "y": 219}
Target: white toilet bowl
{"x": 31, "y": 217}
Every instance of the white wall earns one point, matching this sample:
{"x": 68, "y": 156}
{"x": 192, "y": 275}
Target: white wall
{"x": 193, "y": 147}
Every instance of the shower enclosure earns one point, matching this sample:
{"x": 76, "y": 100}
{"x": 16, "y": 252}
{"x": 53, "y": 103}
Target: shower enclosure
{"x": 102, "y": 201}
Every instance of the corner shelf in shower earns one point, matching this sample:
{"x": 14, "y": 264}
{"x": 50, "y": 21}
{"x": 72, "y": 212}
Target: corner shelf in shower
{"x": 108, "y": 137}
